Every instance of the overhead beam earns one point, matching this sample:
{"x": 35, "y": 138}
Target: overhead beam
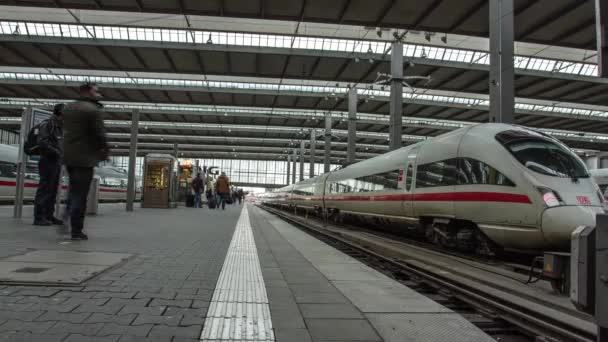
{"x": 553, "y": 17}
{"x": 378, "y": 58}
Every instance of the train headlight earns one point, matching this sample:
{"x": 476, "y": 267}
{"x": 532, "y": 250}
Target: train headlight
{"x": 550, "y": 197}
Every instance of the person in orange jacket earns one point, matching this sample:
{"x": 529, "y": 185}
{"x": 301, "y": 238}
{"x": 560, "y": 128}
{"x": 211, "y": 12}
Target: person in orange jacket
{"x": 222, "y": 187}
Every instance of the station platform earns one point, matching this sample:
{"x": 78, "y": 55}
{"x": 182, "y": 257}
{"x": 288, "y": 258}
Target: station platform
{"x": 202, "y": 275}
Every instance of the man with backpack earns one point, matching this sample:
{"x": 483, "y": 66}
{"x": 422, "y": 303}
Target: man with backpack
{"x": 48, "y": 144}
{"x": 85, "y": 146}
{"x": 197, "y": 189}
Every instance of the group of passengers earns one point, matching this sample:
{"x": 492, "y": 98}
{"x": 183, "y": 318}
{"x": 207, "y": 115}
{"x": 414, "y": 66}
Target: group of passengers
{"x": 218, "y": 193}
{"x": 74, "y": 137}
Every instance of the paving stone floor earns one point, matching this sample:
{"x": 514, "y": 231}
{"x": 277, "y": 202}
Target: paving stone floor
{"x": 161, "y": 294}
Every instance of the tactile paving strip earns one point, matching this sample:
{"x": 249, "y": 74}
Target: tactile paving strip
{"x": 239, "y": 308}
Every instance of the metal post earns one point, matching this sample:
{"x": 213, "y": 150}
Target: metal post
{"x": 502, "y": 98}
{"x": 295, "y": 158}
{"x": 313, "y": 148}
{"x": 288, "y": 169}
{"x": 62, "y": 174}
{"x": 352, "y": 125}
{"x": 131, "y": 193}
{"x": 396, "y": 99}
{"x": 175, "y": 150}
{"x": 327, "y": 137}
{"x": 26, "y": 118}
{"x": 601, "y": 29}
{"x": 302, "y": 151}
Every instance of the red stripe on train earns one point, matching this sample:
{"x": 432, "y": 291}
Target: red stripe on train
{"x": 435, "y": 197}
{"x": 64, "y": 187}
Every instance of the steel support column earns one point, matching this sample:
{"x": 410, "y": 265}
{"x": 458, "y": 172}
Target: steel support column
{"x": 131, "y": 186}
{"x": 327, "y": 137}
{"x": 352, "y": 125}
{"x": 601, "y": 29}
{"x": 294, "y": 170}
{"x": 302, "y": 152}
{"x": 502, "y": 92}
{"x": 175, "y": 150}
{"x": 396, "y": 98}
{"x": 288, "y": 169}
{"x": 313, "y": 150}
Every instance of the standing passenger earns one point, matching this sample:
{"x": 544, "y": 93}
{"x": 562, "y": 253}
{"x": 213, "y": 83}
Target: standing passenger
{"x": 222, "y": 186}
{"x": 197, "y": 188}
{"x": 85, "y": 146}
{"x": 50, "y": 146}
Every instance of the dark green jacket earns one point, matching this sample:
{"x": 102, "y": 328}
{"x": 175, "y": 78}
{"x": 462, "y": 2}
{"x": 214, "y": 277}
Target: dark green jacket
{"x": 85, "y": 142}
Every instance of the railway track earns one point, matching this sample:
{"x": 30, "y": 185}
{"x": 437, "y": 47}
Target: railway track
{"x": 503, "y": 309}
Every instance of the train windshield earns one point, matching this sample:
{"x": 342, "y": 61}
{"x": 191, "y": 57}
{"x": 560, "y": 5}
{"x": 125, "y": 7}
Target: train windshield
{"x": 542, "y": 155}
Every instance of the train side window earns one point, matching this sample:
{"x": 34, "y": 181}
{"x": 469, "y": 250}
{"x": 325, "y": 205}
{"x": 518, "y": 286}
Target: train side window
{"x": 8, "y": 170}
{"x": 440, "y": 173}
{"x": 408, "y": 177}
{"x": 472, "y": 171}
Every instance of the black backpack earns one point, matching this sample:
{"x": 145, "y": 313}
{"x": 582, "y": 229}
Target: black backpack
{"x": 31, "y": 147}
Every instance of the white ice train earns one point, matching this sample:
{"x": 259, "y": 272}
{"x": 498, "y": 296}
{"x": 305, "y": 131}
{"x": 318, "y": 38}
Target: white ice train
{"x": 474, "y": 188}
{"x": 112, "y": 180}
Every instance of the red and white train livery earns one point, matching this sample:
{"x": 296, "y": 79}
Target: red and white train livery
{"x": 472, "y": 188}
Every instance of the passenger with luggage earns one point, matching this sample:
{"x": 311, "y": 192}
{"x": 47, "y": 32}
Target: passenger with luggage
{"x": 48, "y": 145}
{"x": 85, "y": 146}
{"x": 240, "y": 195}
{"x": 222, "y": 187}
{"x": 197, "y": 189}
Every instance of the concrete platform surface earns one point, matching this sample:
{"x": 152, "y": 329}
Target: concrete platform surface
{"x": 210, "y": 275}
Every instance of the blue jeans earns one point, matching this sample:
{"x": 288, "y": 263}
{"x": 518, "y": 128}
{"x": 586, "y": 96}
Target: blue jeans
{"x": 197, "y": 200}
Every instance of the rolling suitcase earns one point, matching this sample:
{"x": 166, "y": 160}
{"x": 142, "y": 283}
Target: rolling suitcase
{"x": 212, "y": 203}
{"x": 189, "y": 200}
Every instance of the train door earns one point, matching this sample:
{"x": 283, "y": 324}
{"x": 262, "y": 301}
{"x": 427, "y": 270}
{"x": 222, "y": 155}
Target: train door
{"x": 408, "y": 204}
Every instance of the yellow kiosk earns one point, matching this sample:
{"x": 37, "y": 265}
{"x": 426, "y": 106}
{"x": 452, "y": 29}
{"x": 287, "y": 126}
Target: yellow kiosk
{"x": 159, "y": 181}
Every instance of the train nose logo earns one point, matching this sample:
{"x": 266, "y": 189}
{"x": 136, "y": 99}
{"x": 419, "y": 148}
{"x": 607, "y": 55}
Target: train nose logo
{"x": 583, "y": 200}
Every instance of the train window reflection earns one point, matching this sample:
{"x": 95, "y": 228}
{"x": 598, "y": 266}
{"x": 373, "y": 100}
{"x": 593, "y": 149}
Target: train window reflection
{"x": 304, "y": 190}
{"x": 8, "y": 170}
{"x": 471, "y": 171}
{"x": 378, "y": 182}
{"x": 441, "y": 173}
{"x": 459, "y": 171}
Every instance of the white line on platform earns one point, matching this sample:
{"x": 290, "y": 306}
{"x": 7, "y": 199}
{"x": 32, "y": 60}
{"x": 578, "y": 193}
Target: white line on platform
{"x": 239, "y": 309}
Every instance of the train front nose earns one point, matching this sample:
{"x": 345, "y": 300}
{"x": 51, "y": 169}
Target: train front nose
{"x": 558, "y": 223}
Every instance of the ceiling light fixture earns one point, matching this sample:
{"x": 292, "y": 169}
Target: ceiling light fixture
{"x": 444, "y": 39}
{"x": 209, "y": 40}
{"x": 427, "y": 36}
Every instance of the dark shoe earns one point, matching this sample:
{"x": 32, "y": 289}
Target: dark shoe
{"x": 79, "y": 237}
{"x": 42, "y": 223}
{"x": 56, "y": 221}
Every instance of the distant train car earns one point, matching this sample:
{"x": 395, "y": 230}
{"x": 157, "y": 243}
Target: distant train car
{"x": 477, "y": 187}
{"x": 112, "y": 180}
